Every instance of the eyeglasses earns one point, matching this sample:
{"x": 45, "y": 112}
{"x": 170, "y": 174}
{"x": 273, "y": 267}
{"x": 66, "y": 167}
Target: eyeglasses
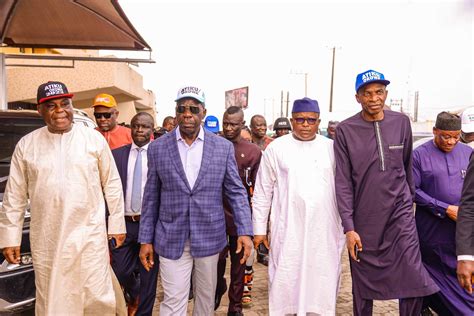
{"x": 104, "y": 115}
{"x": 193, "y": 109}
{"x": 310, "y": 120}
{"x": 447, "y": 138}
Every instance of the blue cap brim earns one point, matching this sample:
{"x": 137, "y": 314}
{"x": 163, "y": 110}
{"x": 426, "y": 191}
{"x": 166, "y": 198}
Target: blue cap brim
{"x": 384, "y": 82}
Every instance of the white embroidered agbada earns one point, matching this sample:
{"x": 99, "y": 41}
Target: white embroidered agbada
{"x": 66, "y": 176}
{"x": 296, "y": 181}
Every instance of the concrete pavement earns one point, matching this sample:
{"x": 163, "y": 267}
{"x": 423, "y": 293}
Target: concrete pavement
{"x": 260, "y": 295}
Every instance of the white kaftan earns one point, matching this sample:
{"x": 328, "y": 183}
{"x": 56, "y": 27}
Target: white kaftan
{"x": 65, "y": 177}
{"x": 296, "y": 180}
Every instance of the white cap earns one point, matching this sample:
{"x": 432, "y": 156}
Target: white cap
{"x": 467, "y": 120}
{"x": 191, "y": 92}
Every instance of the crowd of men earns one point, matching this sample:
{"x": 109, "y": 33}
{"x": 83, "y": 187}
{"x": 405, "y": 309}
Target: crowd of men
{"x": 112, "y": 208}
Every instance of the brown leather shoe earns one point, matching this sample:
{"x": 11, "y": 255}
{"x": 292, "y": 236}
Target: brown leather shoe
{"x": 132, "y": 307}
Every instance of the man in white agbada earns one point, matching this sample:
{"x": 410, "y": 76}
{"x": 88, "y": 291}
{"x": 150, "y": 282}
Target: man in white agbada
{"x": 296, "y": 180}
{"x": 64, "y": 170}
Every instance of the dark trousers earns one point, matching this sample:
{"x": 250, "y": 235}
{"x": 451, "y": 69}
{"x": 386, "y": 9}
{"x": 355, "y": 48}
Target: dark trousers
{"x": 136, "y": 281}
{"x": 408, "y": 306}
{"x": 237, "y": 273}
{"x": 435, "y": 302}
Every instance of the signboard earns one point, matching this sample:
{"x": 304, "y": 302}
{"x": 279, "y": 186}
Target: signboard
{"x": 237, "y": 97}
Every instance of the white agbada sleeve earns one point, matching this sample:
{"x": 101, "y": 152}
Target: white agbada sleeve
{"x": 112, "y": 188}
{"x": 263, "y": 194}
{"x": 15, "y": 200}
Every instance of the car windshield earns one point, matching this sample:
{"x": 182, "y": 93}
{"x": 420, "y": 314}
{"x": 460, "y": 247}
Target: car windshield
{"x": 11, "y": 130}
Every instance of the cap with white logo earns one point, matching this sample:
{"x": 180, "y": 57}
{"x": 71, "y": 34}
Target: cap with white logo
{"x": 104, "y": 99}
{"x": 281, "y": 123}
{"x": 370, "y": 76}
{"x": 191, "y": 92}
{"x": 211, "y": 123}
{"x": 52, "y": 90}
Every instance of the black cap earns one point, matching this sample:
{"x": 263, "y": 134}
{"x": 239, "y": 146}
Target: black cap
{"x": 52, "y": 90}
{"x": 448, "y": 122}
{"x": 282, "y": 123}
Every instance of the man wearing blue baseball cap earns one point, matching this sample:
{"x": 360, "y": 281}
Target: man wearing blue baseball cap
{"x": 211, "y": 123}
{"x": 296, "y": 181}
{"x": 375, "y": 189}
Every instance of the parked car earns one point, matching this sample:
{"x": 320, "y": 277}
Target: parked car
{"x": 17, "y": 281}
{"x": 419, "y": 138}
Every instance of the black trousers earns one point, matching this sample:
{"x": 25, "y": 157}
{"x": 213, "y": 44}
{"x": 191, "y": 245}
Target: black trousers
{"x": 408, "y": 306}
{"x": 237, "y": 273}
{"x": 136, "y": 281}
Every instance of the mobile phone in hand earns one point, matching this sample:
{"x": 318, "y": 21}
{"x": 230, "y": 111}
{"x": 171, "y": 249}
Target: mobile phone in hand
{"x": 356, "y": 251}
{"x": 112, "y": 243}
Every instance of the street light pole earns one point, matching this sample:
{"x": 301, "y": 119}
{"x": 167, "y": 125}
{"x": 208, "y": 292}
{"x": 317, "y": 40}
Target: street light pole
{"x": 332, "y": 78}
{"x": 305, "y": 84}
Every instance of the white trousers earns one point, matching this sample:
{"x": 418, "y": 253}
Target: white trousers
{"x": 176, "y": 278}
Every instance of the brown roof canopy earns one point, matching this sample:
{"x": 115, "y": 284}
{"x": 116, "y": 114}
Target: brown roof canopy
{"x": 86, "y": 24}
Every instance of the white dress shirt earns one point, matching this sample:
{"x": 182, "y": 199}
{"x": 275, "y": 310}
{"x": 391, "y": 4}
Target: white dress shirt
{"x": 131, "y": 165}
{"x": 191, "y": 155}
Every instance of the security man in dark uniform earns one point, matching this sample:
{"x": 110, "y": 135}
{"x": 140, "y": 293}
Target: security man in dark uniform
{"x": 281, "y": 127}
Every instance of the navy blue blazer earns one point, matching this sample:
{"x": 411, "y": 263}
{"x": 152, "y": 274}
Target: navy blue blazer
{"x": 121, "y": 160}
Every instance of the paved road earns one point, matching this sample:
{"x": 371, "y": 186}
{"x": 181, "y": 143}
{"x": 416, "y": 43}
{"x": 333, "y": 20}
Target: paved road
{"x": 260, "y": 296}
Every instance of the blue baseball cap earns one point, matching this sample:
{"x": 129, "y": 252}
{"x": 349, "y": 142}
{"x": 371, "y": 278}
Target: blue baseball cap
{"x": 370, "y": 76}
{"x": 211, "y": 123}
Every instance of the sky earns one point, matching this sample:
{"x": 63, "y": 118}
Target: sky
{"x": 269, "y": 46}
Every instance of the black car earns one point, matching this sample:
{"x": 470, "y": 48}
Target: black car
{"x": 17, "y": 281}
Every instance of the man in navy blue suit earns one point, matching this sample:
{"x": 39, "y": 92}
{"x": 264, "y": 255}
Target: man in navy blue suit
{"x": 132, "y": 161}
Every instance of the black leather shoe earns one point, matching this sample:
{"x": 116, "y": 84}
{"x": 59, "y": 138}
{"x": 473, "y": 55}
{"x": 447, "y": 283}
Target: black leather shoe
{"x": 217, "y": 300}
{"x": 235, "y": 314}
{"x": 263, "y": 259}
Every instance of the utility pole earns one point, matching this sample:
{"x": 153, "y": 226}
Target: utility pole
{"x": 287, "y": 102}
{"x": 305, "y": 84}
{"x": 281, "y": 106}
{"x": 415, "y": 110}
{"x": 332, "y": 78}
